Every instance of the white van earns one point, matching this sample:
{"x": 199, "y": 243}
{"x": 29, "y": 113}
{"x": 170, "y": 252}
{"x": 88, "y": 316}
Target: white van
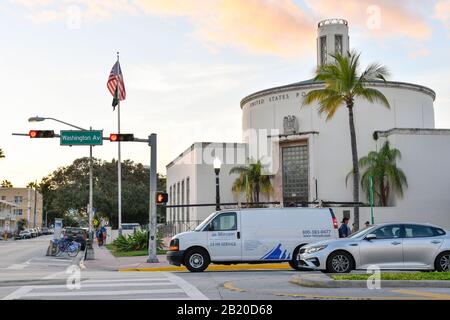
{"x": 252, "y": 236}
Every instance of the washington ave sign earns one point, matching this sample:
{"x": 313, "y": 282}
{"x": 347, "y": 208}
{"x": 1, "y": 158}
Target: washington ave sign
{"x": 81, "y": 138}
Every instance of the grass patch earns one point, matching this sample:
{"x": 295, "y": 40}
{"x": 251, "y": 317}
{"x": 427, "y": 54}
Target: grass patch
{"x": 137, "y": 253}
{"x": 397, "y": 276}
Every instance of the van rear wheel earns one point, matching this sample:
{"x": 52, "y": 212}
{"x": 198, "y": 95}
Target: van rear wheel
{"x": 294, "y": 263}
{"x": 196, "y": 260}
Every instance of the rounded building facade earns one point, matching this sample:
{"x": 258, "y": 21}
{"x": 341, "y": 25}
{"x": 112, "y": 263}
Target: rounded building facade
{"x": 311, "y": 157}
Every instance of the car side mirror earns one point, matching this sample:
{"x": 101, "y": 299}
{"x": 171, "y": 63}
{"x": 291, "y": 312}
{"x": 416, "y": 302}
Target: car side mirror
{"x": 210, "y": 227}
{"x": 371, "y": 236}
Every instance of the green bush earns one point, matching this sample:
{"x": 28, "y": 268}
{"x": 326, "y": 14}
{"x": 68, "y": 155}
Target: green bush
{"x": 136, "y": 241}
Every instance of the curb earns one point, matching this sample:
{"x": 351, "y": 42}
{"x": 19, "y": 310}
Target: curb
{"x": 323, "y": 281}
{"x": 265, "y": 266}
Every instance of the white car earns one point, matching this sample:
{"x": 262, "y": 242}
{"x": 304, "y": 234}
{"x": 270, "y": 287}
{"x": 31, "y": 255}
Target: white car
{"x": 401, "y": 245}
{"x": 25, "y": 234}
{"x": 251, "y": 235}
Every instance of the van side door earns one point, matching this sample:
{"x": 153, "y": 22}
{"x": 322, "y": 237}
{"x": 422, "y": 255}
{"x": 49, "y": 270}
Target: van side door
{"x": 224, "y": 240}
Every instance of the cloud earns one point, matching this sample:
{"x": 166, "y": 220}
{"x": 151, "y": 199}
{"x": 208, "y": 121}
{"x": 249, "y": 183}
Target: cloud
{"x": 279, "y": 27}
{"x": 43, "y": 11}
{"x": 276, "y": 27}
{"x": 442, "y": 12}
{"x": 380, "y": 18}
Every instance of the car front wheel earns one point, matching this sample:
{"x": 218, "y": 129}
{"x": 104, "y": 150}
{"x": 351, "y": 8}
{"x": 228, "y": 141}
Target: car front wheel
{"x": 196, "y": 260}
{"x": 442, "y": 262}
{"x": 340, "y": 262}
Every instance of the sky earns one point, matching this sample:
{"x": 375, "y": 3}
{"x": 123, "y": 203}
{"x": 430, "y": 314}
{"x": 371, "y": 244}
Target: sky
{"x": 187, "y": 64}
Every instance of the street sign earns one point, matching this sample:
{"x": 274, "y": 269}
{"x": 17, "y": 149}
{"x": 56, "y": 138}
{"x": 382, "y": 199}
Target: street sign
{"x": 81, "y": 138}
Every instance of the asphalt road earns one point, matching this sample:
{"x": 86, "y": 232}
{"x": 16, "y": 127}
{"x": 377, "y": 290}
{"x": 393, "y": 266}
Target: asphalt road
{"x": 26, "y": 273}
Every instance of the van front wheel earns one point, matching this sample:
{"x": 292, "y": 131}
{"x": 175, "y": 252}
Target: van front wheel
{"x": 196, "y": 260}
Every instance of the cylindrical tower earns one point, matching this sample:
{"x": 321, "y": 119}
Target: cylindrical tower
{"x": 332, "y": 38}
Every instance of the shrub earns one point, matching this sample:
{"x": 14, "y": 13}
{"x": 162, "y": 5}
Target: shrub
{"x": 136, "y": 241}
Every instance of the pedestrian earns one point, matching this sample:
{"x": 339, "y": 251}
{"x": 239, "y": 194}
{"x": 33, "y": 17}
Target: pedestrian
{"x": 367, "y": 224}
{"x": 99, "y": 235}
{"x": 103, "y": 231}
{"x": 344, "y": 229}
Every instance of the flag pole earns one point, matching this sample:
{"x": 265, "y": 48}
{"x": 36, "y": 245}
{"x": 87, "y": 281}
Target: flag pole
{"x": 119, "y": 163}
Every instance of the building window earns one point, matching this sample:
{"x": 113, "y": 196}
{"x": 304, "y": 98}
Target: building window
{"x": 323, "y": 50}
{"x": 170, "y": 202}
{"x": 295, "y": 173}
{"x": 188, "y": 195}
{"x": 18, "y": 212}
{"x": 182, "y": 201}
{"x": 4, "y": 198}
{"x": 338, "y": 44}
{"x": 178, "y": 201}
{"x": 18, "y": 199}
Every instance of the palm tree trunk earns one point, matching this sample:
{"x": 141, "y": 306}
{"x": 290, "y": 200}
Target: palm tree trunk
{"x": 355, "y": 164}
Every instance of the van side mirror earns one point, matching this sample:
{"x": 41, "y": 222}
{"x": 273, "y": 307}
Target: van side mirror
{"x": 370, "y": 236}
{"x": 210, "y": 227}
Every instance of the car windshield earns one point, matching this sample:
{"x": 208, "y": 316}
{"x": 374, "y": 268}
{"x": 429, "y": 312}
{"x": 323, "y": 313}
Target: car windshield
{"x": 205, "y": 222}
{"x": 362, "y": 233}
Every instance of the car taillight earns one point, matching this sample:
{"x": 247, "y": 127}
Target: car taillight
{"x": 335, "y": 223}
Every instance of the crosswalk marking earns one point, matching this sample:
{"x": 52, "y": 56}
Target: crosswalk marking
{"x": 17, "y": 266}
{"x": 108, "y": 285}
{"x": 135, "y": 287}
{"x": 124, "y": 280}
{"x": 190, "y": 290}
{"x": 18, "y": 293}
{"x": 101, "y": 293}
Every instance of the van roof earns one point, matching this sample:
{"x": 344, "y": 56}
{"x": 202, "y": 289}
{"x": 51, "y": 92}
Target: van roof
{"x": 268, "y": 209}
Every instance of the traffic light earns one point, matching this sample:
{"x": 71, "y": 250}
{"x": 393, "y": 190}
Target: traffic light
{"x": 162, "y": 197}
{"x": 41, "y": 134}
{"x": 115, "y": 137}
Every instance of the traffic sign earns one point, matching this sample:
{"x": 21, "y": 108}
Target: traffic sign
{"x": 81, "y": 138}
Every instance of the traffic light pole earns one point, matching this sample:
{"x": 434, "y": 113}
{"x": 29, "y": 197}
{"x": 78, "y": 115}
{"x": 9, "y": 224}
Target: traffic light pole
{"x": 152, "y": 249}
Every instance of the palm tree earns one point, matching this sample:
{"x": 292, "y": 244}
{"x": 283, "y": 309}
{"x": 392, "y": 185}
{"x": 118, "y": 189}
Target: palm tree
{"x": 6, "y": 184}
{"x": 386, "y": 176}
{"x": 252, "y": 181}
{"x": 343, "y": 84}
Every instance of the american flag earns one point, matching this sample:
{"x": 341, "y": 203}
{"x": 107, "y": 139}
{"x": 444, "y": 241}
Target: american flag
{"x": 116, "y": 77}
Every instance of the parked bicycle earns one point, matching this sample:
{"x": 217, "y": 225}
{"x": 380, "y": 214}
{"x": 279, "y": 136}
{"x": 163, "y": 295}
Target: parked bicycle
{"x": 70, "y": 247}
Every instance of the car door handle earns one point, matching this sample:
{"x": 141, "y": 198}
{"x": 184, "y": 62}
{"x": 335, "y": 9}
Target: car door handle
{"x": 238, "y": 235}
{"x": 435, "y": 241}
{"x": 396, "y": 243}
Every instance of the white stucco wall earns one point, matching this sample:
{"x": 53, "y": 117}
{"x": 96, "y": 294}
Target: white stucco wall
{"x": 330, "y": 151}
{"x": 197, "y": 164}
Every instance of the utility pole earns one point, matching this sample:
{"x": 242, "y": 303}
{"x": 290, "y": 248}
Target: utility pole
{"x": 89, "y": 252}
{"x": 152, "y": 249}
{"x": 35, "y": 201}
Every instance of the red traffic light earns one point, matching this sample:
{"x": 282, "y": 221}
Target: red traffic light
{"x": 115, "y": 137}
{"x": 162, "y": 197}
{"x": 41, "y": 134}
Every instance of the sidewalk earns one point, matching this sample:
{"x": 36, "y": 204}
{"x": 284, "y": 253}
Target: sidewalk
{"x": 104, "y": 260}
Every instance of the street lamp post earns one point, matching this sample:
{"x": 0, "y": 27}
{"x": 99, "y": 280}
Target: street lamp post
{"x": 90, "y": 255}
{"x": 217, "y": 163}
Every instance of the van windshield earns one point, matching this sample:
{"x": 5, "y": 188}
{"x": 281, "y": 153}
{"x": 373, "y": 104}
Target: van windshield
{"x": 205, "y": 222}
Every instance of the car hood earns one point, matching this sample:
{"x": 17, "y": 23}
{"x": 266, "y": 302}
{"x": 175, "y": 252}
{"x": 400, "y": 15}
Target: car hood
{"x": 326, "y": 242}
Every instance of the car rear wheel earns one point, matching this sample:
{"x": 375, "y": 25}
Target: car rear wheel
{"x": 340, "y": 262}
{"x": 442, "y": 262}
{"x": 196, "y": 260}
